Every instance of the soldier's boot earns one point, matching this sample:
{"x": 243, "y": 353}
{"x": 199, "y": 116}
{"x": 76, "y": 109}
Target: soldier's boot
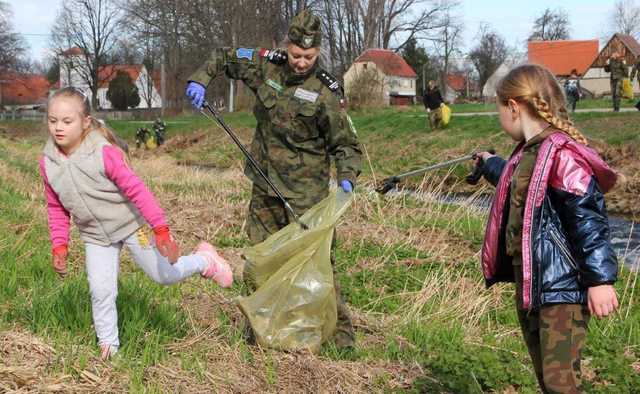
{"x": 344, "y": 337}
{"x": 247, "y": 333}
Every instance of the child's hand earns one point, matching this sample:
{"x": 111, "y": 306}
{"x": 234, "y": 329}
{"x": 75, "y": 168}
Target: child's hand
{"x": 481, "y": 157}
{"x": 60, "y": 260}
{"x": 602, "y": 300}
{"x": 165, "y": 244}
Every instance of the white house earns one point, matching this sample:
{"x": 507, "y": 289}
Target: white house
{"x": 489, "y": 88}
{"x": 397, "y": 77}
{"x": 73, "y": 72}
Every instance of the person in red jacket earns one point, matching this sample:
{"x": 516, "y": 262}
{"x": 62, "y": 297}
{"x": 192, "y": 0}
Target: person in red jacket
{"x": 548, "y": 229}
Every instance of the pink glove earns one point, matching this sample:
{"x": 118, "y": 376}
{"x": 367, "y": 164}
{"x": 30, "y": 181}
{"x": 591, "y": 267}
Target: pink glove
{"x": 165, "y": 244}
{"x": 60, "y": 260}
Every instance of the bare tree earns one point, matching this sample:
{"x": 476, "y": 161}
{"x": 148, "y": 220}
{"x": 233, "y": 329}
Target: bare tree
{"x": 351, "y": 26}
{"x": 490, "y": 52}
{"x": 12, "y": 45}
{"x": 447, "y": 42}
{"x": 551, "y": 25}
{"x": 625, "y": 18}
{"x": 92, "y": 26}
{"x": 401, "y": 23}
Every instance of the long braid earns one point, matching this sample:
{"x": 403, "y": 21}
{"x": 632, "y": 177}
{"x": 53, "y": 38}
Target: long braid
{"x": 560, "y": 122}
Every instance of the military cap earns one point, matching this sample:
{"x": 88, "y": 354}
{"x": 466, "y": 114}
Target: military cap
{"x": 305, "y": 30}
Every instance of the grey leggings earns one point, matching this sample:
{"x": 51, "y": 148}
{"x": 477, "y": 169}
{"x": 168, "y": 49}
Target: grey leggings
{"x": 102, "y": 272}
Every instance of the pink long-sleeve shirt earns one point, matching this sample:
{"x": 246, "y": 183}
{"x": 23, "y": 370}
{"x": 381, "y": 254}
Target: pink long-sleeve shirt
{"x": 130, "y": 185}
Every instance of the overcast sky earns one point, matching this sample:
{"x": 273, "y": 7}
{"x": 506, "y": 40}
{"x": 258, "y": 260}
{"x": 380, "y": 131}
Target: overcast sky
{"x": 511, "y": 18}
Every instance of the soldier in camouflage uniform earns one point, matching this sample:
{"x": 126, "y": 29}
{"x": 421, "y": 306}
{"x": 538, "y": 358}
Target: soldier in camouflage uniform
{"x": 618, "y": 71}
{"x": 301, "y": 127}
{"x": 635, "y": 73}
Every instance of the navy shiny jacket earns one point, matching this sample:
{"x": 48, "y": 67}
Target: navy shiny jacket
{"x": 565, "y": 236}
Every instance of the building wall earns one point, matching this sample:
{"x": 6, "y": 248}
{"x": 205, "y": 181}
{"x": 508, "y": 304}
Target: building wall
{"x": 391, "y": 85}
{"x": 71, "y": 75}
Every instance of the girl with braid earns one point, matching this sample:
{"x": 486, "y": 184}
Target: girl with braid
{"x": 548, "y": 230}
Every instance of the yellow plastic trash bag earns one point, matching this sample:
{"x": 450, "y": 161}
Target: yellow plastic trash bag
{"x": 294, "y": 305}
{"x": 627, "y": 89}
{"x": 151, "y": 143}
{"x": 445, "y": 111}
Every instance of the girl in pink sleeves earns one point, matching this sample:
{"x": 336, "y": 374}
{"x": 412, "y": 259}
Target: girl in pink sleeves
{"x": 87, "y": 179}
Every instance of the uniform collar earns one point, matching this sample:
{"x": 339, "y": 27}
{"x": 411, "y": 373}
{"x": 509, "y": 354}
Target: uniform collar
{"x": 291, "y": 78}
{"x": 540, "y": 137}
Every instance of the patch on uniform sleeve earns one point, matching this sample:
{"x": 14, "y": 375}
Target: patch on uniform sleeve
{"x": 244, "y": 53}
{"x": 306, "y": 95}
{"x": 274, "y": 85}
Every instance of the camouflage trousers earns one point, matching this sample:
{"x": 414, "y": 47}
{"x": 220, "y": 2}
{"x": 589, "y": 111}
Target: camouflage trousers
{"x": 555, "y": 336}
{"x": 435, "y": 118}
{"x": 616, "y": 93}
{"x": 266, "y": 216}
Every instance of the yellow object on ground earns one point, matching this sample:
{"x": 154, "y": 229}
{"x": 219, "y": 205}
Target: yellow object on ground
{"x": 446, "y": 115}
{"x": 294, "y": 306}
{"x": 627, "y": 89}
{"x": 151, "y": 142}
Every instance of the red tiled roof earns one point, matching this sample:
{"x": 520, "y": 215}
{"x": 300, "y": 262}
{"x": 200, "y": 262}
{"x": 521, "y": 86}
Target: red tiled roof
{"x": 562, "y": 56}
{"x": 24, "y": 89}
{"x": 107, "y": 73}
{"x": 456, "y": 82}
{"x": 73, "y": 51}
{"x": 388, "y": 61}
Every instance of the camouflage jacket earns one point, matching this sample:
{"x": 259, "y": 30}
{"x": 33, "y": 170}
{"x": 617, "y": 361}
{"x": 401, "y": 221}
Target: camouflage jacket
{"x": 301, "y": 124}
{"x": 617, "y": 68}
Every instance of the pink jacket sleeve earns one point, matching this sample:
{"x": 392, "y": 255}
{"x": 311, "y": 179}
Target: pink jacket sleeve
{"x": 132, "y": 186}
{"x": 59, "y": 223}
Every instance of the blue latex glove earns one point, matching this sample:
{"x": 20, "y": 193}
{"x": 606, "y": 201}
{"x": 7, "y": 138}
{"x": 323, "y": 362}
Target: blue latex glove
{"x": 346, "y": 186}
{"x": 195, "y": 93}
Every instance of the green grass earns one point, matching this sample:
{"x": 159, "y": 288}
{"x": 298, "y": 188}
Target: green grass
{"x": 418, "y": 306}
{"x": 588, "y": 103}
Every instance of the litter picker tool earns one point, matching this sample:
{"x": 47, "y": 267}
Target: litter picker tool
{"x": 390, "y": 183}
{"x": 218, "y": 118}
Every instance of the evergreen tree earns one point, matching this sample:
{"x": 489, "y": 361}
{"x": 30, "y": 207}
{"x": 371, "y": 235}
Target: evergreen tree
{"x": 122, "y": 93}
{"x": 418, "y": 59}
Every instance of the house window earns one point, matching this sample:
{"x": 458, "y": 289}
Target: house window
{"x": 364, "y": 66}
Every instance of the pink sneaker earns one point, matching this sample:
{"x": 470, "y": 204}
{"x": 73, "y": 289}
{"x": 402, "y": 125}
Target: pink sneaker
{"x": 217, "y": 268}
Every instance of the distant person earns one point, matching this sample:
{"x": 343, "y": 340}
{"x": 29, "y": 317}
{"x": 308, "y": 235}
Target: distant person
{"x": 572, "y": 90}
{"x": 635, "y": 73}
{"x": 548, "y": 230}
{"x": 87, "y": 179}
{"x": 159, "y": 128}
{"x": 433, "y": 102}
{"x": 617, "y": 69}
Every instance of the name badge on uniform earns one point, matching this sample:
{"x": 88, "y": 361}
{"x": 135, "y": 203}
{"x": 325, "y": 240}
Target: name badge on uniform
{"x": 305, "y": 95}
